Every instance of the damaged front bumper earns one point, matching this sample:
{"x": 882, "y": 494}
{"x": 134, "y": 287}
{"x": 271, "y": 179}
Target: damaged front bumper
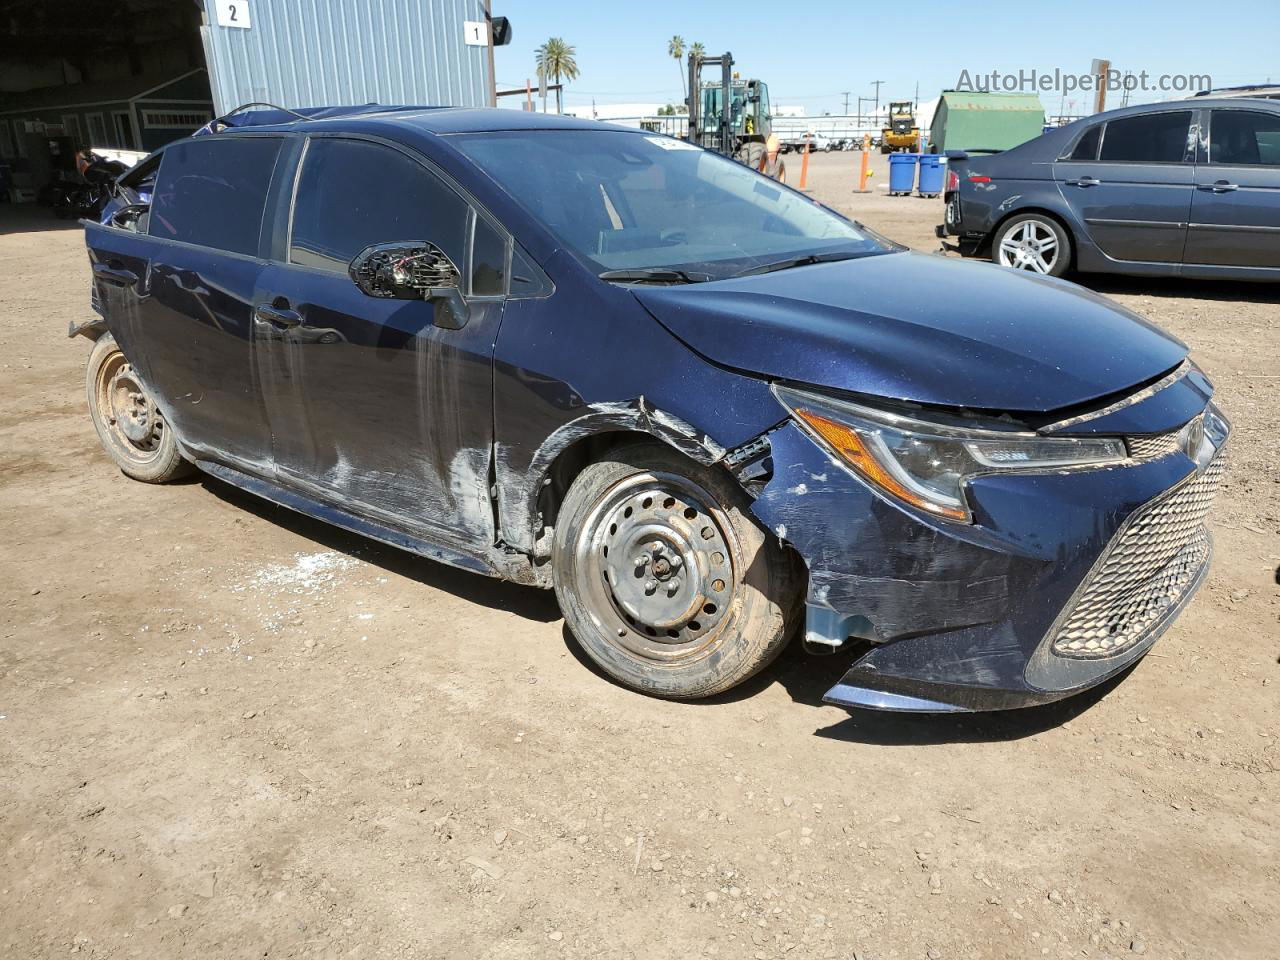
{"x": 1051, "y": 590}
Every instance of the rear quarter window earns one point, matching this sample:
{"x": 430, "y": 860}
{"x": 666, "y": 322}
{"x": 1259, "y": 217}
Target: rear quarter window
{"x": 212, "y": 191}
{"x": 1087, "y": 146}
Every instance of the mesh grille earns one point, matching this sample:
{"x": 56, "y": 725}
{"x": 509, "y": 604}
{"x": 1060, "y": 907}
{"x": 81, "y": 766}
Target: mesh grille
{"x": 1147, "y": 570}
{"x": 1151, "y": 448}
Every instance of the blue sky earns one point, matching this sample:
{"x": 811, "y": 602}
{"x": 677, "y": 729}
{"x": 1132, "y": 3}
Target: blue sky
{"x": 810, "y": 52}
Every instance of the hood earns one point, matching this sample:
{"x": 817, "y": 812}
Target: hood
{"x": 923, "y": 328}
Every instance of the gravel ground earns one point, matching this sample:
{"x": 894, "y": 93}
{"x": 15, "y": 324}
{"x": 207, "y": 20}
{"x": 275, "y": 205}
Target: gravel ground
{"x": 229, "y": 731}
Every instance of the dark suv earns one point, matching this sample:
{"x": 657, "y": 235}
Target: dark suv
{"x": 701, "y": 406}
{"x": 1189, "y": 188}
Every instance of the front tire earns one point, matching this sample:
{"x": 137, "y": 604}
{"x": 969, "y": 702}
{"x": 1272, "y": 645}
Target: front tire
{"x": 665, "y": 581}
{"x": 131, "y": 428}
{"x": 1032, "y": 242}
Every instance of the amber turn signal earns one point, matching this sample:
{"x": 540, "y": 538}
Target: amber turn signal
{"x": 846, "y": 442}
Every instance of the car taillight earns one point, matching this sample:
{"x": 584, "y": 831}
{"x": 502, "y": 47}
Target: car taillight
{"x": 953, "y": 181}
{"x": 979, "y": 179}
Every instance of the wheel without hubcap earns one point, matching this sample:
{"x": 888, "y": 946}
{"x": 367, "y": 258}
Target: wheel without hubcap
{"x": 662, "y": 578}
{"x": 129, "y": 425}
{"x": 654, "y": 554}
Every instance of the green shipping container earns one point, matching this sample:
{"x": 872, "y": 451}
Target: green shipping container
{"x": 985, "y": 121}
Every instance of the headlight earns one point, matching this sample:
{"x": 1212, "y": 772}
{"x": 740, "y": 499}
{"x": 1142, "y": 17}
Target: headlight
{"x": 926, "y": 464}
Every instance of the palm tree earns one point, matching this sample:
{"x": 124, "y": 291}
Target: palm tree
{"x": 697, "y": 50}
{"x": 675, "y": 49}
{"x": 556, "y": 62}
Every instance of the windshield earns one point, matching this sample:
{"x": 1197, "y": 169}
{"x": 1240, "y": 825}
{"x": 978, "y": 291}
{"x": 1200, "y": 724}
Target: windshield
{"x": 623, "y": 201}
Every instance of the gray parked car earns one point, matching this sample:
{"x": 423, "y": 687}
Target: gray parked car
{"x": 1188, "y": 188}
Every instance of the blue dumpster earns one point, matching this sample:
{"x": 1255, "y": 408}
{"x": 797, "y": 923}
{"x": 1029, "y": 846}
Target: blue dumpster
{"x": 902, "y": 173}
{"x": 933, "y": 168}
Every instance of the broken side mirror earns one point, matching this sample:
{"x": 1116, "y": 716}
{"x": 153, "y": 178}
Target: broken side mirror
{"x": 413, "y": 270}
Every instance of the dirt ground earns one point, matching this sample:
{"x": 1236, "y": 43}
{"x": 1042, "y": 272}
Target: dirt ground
{"x": 229, "y": 731}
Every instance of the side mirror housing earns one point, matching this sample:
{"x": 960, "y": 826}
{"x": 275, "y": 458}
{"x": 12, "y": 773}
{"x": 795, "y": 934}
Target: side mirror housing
{"x": 412, "y": 270}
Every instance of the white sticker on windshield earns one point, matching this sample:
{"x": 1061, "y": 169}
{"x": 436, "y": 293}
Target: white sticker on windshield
{"x": 671, "y": 143}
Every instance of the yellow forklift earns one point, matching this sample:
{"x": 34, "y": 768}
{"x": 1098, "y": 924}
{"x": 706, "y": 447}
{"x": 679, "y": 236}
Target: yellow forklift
{"x": 902, "y": 133}
{"x": 733, "y": 117}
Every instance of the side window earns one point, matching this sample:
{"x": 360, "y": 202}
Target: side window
{"x": 488, "y": 261}
{"x": 353, "y": 193}
{"x": 1244, "y": 137}
{"x": 212, "y": 190}
{"x": 1087, "y": 147}
{"x": 1149, "y": 138}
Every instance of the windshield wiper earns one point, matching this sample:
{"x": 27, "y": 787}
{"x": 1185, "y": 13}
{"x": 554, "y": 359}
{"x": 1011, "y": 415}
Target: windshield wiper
{"x": 654, "y": 275}
{"x": 803, "y": 261}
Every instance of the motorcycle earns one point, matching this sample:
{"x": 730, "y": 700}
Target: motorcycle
{"x": 86, "y": 200}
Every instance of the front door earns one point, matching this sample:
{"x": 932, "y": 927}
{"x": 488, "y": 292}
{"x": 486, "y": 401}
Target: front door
{"x": 1135, "y": 197}
{"x": 1235, "y": 216}
{"x": 179, "y": 298}
{"x": 372, "y": 406}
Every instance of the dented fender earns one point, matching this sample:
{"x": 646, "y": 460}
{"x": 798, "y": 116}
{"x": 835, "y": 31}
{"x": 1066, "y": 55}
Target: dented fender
{"x": 518, "y": 490}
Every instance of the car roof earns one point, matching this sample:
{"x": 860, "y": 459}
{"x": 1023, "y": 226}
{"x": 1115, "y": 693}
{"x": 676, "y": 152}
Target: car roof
{"x": 411, "y": 119}
{"x": 1194, "y": 103}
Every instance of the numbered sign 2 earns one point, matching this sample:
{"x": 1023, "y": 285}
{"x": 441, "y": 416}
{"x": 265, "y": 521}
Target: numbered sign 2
{"x": 233, "y": 13}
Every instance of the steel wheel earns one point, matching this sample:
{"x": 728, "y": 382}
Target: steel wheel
{"x": 656, "y": 556}
{"x": 664, "y": 580}
{"x": 128, "y": 422}
{"x": 133, "y": 423}
{"x": 1033, "y": 244}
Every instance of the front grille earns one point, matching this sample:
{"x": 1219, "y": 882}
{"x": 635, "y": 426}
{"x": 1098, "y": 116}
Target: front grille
{"x": 1152, "y": 448}
{"x": 1186, "y": 438}
{"x": 1149, "y": 567}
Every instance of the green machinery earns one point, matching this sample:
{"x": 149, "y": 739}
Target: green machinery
{"x": 732, "y": 116}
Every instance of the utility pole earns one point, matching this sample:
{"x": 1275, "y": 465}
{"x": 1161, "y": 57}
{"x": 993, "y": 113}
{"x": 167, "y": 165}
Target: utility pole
{"x": 861, "y": 101}
{"x": 876, "y": 84}
{"x": 846, "y": 103}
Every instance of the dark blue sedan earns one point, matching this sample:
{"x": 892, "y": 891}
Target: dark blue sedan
{"x": 702, "y": 407}
{"x": 1187, "y": 188}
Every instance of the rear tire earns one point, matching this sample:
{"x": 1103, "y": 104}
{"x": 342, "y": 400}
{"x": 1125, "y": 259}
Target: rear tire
{"x": 664, "y": 579}
{"x": 129, "y": 425}
{"x": 1032, "y": 242}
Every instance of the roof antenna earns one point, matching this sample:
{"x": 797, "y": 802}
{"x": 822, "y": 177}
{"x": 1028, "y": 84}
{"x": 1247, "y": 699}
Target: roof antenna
{"x": 217, "y": 124}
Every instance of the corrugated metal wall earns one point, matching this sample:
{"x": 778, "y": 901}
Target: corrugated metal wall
{"x": 304, "y": 53}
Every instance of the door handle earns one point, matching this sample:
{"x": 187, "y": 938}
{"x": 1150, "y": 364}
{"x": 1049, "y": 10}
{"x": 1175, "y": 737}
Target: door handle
{"x": 1219, "y": 186}
{"x": 279, "y": 316}
{"x": 116, "y": 276}
{"x": 1085, "y": 182}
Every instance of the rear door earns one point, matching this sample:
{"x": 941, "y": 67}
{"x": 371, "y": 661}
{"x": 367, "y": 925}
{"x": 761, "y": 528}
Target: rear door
{"x": 1130, "y": 181}
{"x": 1235, "y": 216}
{"x": 370, "y": 403}
{"x": 178, "y": 293}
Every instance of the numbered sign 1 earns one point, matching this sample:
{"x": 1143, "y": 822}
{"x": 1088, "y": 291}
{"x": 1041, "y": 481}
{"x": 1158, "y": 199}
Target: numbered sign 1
{"x": 233, "y": 13}
{"x": 476, "y": 33}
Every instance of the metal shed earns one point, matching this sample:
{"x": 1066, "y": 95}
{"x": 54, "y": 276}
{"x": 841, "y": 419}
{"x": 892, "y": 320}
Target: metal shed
{"x": 985, "y": 121}
{"x": 134, "y": 113}
{"x": 299, "y": 53}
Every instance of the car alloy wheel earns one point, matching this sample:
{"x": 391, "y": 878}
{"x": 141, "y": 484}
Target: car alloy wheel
{"x": 1030, "y": 245}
